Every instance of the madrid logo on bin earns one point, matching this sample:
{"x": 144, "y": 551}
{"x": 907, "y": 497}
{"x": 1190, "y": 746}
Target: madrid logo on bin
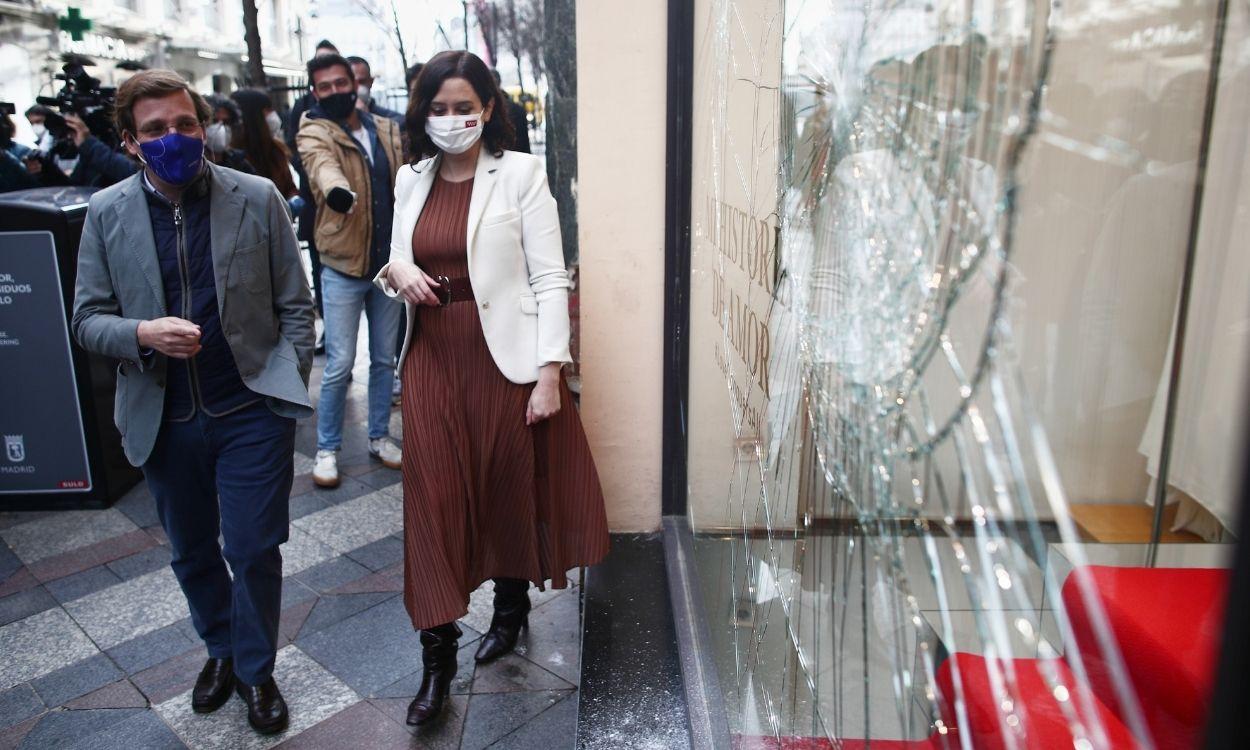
{"x": 15, "y": 447}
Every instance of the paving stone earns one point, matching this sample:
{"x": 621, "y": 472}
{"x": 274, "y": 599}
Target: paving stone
{"x": 64, "y": 531}
{"x": 302, "y": 551}
{"x": 139, "y": 506}
{"x": 383, "y": 553}
{"x": 142, "y": 730}
{"x": 303, "y": 485}
{"x": 387, "y": 579}
{"x": 23, "y": 604}
{"x": 444, "y": 733}
{"x": 357, "y": 522}
{"x": 170, "y": 677}
{"x": 312, "y": 695}
{"x": 20, "y": 580}
{"x": 120, "y": 694}
{"x": 80, "y": 559}
{"x": 362, "y": 725}
{"x": 510, "y": 673}
{"x": 19, "y": 704}
{"x": 348, "y": 489}
{"x": 382, "y": 478}
{"x": 304, "y": 463}
{"x": 553, "y": 729}
{"x": 12, "y": 737}
{"x": 12, "y": 518}
{"x": 304, "y": 504}
{"x": 331, "y": 609}
{"x": 130, "y": 609}
{"x": 294, "y": 592}
{"x": 78, "y": 585}
{"x": 553, "y": 639}
{"x": 68, "y": 683}
{"x": 40, "y": 644}
{"x": 151, "y": 559}
{"x": 492, "y": 716}
{"x": 9, "y": 562}
{"x": 330, "y": 574}
{"x": 292, "y": 620}
{"x": 75, "y": 729}
{"x": 152, "y": 648}
{"x": 369, "y": 650}
{"x": 481, "y": 607}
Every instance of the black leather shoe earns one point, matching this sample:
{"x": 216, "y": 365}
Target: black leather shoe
{"x": 438, "y": 655}
{"x": 212, "y": 687}
{"x": 512, "y": 611}
{"x": 266, "y": 711}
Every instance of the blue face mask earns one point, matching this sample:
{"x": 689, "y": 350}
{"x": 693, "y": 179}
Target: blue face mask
{"x": 175, "y": 158}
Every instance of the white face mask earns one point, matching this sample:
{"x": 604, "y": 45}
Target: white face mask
{"x": 275, "y": 124}
{"x": 362, "y": 94}
{"x": 39, "y": 131}
{"x": 217, "y": 136}
{"x": 455, "y": 134}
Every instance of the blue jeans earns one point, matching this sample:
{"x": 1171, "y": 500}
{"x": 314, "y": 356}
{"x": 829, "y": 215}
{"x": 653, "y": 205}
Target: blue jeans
{"x": 229, "y": 475}
{"x": 343, "y": 298}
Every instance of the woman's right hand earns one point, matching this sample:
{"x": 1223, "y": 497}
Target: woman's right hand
{"x": 412, "y": 283}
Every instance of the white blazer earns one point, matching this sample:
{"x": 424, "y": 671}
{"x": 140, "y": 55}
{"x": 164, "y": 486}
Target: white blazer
{"x": 516, "y": 260}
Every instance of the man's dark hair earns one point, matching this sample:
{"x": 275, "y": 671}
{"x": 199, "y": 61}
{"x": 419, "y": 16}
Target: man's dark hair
{"x": 39, "y": 109}
{"x": 358, "y": 60}
{"x": 497, "y": 135}
{"x": 325, "y": 44}
{"x": 329, "y": 61}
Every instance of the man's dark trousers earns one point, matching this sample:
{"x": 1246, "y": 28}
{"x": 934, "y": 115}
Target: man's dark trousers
{"x": 231, "y": 473}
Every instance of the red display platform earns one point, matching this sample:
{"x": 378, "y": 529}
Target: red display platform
{"x": 1167, "y": 622}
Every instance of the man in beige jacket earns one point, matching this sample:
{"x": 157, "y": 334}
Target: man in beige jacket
{"x": 351, "y": 158}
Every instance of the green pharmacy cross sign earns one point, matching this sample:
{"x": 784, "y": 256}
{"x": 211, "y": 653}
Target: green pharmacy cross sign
{"x": 74, "y": 23}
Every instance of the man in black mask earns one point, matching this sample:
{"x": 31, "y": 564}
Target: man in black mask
{"x": 351, "y": 158}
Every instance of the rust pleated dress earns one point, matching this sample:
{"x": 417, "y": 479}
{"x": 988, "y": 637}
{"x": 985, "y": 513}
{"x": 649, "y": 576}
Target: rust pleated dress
{"x": 485, "y": 495}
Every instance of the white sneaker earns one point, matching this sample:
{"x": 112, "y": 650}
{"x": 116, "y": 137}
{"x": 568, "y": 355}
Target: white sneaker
{"x": 385, "y": 450}
{"x": 326, "y": 470}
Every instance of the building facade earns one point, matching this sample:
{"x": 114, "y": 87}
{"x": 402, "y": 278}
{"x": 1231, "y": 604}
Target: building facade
{"x": 200, "y": 39}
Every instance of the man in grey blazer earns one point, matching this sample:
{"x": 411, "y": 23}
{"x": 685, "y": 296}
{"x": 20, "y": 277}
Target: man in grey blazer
{"x": 189, "y": 275}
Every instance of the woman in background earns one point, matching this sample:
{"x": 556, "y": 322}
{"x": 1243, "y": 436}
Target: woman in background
{"x": 257, "y": 136}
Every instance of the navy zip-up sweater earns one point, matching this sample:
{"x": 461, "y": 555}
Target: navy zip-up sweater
{"x": 210, "y": 380}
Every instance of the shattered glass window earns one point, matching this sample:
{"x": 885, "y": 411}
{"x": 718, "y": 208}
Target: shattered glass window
{"x": 968, "y": 302}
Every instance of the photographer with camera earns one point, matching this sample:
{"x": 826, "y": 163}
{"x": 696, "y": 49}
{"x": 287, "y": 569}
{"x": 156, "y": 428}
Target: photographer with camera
{"x": 14, "y": 173}
{"x": 83, "y": 129}
{"x": 98, "y": 164}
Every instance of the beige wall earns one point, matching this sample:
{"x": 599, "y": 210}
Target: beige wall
{"x": 621, "y": 84}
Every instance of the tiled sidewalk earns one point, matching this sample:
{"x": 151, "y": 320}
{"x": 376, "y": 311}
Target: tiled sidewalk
{"x": 97, "y": 650}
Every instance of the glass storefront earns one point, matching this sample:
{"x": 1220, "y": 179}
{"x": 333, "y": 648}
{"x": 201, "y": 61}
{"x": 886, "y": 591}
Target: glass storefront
{"x": 968, "y": 297}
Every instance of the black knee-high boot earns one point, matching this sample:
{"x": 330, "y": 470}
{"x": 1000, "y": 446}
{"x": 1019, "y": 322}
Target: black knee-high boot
{"x": 512, "y": 610}
{"x": 438, "y": 656}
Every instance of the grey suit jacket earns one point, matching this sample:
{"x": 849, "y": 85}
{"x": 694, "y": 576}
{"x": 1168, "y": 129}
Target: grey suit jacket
{"x": 262, "y": 296}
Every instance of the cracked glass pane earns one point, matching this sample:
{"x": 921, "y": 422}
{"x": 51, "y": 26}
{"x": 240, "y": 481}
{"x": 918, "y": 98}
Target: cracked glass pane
{"x": 945, "y": 254}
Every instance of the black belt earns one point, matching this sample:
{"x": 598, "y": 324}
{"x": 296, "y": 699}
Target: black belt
{"x": 459, "y": 289}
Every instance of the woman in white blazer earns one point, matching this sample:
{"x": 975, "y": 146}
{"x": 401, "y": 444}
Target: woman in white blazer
{"x": 498, "y": 479}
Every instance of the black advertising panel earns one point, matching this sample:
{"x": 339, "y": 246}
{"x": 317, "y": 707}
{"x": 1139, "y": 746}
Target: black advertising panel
{"x": 45, "y": 448}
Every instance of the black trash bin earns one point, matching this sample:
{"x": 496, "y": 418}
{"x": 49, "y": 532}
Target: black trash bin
{"x": 61, "y": 448}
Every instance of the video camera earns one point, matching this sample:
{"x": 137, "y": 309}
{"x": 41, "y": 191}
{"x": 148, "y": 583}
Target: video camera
{"x": 82, "y": 95}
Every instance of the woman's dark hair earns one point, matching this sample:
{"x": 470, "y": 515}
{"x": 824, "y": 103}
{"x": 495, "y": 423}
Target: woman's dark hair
{"x": 497, "y": 135}
{"x": 267, "y": 155}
